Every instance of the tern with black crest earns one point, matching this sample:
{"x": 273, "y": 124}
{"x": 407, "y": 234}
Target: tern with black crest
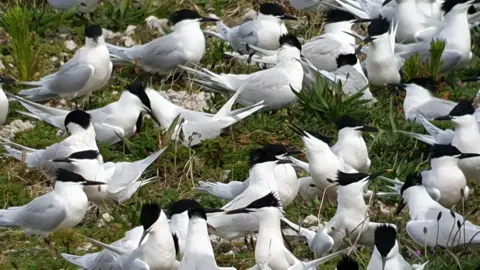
{"x": 184, "y": 46}
{"x": 89, "y": 70}
{"x": 262, "y": 32}
{"x": 111, "y": 123}
{"x": 64, "y": 207}
{"x": 273, "y": 86}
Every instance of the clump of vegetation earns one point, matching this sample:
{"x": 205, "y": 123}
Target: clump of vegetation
{"x": 416, "y": 67}
{"x": 23, "y": 46}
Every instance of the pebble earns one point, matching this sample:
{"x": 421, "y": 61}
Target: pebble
{"x": 69, "y": 44}
{"x": 128, "y": 41}
{"x": 311, "y": 220}
{"x": 85, "y": 247}
{"x": 130, "y": 30}
{"x": 230, "y": 253}
{"x": 54, "y": 59}
{"x": 16, "y": 126}
{"x": 215, "y": 239}
{"x": 197, "y": 102}
{"x": 2, "y": 66}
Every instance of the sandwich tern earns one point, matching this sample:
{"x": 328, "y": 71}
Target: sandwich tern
{"x": 273, "y": 86}
{"x": 89, "y": 70}
{"x": 285, "y": 177}
{"x": 199, "y": 126}
{"x": 78, "y": 124}
{"x": 111, "y": 123}
{"x": 270, "y": 249}
{"x": 386, "y": 254}
{"x": 445, "y": 182}
{"x": 120, "y": 178}
{"x": 199, "y": 252}
{"x": 4, "y": 100}
{"x": 262, "y": 32}
{"x": 430, "y": 223}
{"x": 184, "y": 46}
{"x": 64, "y": 207}
{"x": 155, "y": 248}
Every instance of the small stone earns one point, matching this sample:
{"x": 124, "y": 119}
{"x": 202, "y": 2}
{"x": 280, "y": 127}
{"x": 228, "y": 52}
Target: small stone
{"x": 127, "y": 41}
{"x": 249, "y": 14}
{"x": 230, "y": 253}
{"x": 159, "y": 24}
{"x": 215, "y": 239}
{"x": 107, "y": 217}
{"x": 130, "y": 30}
{"x": 54, "y": 59}
{"x": 16, "y": 126}
{"x": 311, "y": 220}
{"x": 115, "y": 92}
{"x": 1, "y": 65}
{"x": 70, "y": 45}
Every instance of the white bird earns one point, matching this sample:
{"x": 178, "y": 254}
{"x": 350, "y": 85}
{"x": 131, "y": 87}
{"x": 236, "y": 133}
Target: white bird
{"x": 155, "y": 247}
{"x": 337, "y": 39}
{"x": 382, "y": 64}
{"x": 368, "y": 9}
{"x": 285, "y": 177}
{"x": 64, "y": 207}
{"x": 466, "y": 137}
{"x": 198, "y": 126}
{"x": 262, "y": 182}
{"x": 411, "y": 20}
{"x": 78, "y": 124}
{"x": 419, "y": 100}
{"x": 199, "y": 252}
{"x": 179, "y": 220}
{"x": 263, "y": 32}
{"x": 83, "y": 6}
{"x": 119, "y": 178}
{"x": 350, "y": 145}
{"x": 430, "y": 223}
{"x": 455, "y": 31}
{"x": 351, "y": 220}
{"x": 4, "y": 100}
{"x": 386, "y": 254}
{"x": 89, "y": 70}
{"x": 111, "y": 123}
{"x": 184, "y": 46}
{"x": 273, "y": 86}
{"x": 270, "y": 250}
{"x": 349, "y": 73}
{"x": 445, "y": 182}
{"x": 323, "y": 163}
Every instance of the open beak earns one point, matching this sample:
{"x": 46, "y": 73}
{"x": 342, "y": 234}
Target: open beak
{"x": 213, "y": 210}
{"x": 286, "y": 17}
{"x": 93, "y": 183}
{"x": 368, "y": 129}
{"x": 294, "y": 152}
{"x": 400, "y": 207}
{"x": 468, "y": 155}
{"x": 207, "y": 19}
{"x": 443, "y": 118}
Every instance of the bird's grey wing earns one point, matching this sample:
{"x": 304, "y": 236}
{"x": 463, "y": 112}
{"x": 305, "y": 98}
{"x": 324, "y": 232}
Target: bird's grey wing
{"x": 44, "y": 213}
{"x": 71, "y": 80}
{"x": 164, "y": 53}
{"x": 246, "y": 33}
{"x": 444, "y": 236}
{"x": 354, "y": 80}
{"x": 450, "y": 59}
{"x": 436, "y": 107}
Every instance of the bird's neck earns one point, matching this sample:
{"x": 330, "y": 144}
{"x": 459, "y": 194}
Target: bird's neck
{"x": 338, "y": 28}
{"x": 198, "y": 241}
{"x": 350, "y": 198}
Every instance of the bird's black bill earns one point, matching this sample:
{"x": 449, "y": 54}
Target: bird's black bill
{"x": 368, "y": 129}
{"x": 288, "y": 17}
{"x": 386, "y": 2}
{"x": 443, "y": 118}
{"x": 293, "y": 152}
{"x": 400, "y": 207}
{"x": 64, "y": 160}
{"x": 145, "y": 232}
{"x": 284, "y": 161}
{"x": 468, "y": 155}
{"x": 238, "y": 211}
{"x": 213, "y": 210}
{"x": 207, "y": 19}
{"x": 93, "y": 183}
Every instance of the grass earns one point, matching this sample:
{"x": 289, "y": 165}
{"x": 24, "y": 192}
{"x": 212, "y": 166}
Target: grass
{"x": 181, "y": 168}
